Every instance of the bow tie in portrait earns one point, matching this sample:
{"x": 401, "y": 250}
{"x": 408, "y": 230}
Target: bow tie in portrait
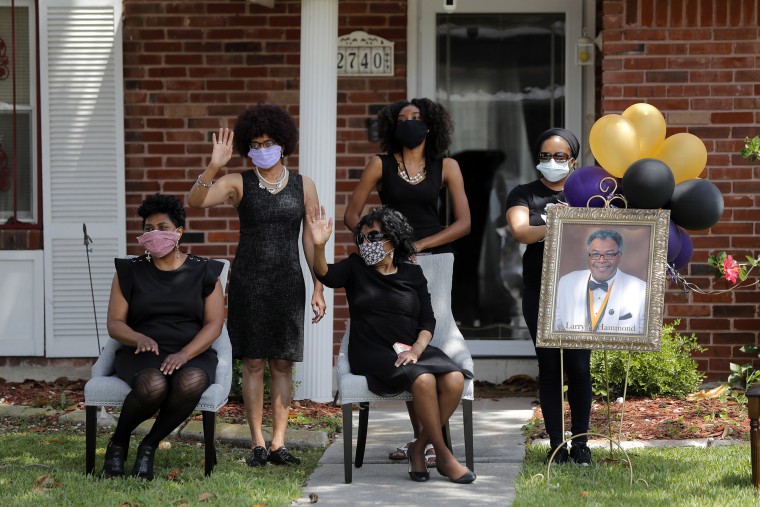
{"x": 593, "y": 285}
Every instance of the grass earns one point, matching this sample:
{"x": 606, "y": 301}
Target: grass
{"x": 48, "y": 469}
{"x": 683, "y": 476}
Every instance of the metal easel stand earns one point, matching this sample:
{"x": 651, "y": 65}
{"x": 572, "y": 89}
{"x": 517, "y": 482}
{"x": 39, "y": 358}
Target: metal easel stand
{"x": 609, "y": 436}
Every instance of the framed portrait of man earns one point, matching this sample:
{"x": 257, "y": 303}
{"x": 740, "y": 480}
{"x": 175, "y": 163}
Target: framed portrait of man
{"x": 603, "y": 281}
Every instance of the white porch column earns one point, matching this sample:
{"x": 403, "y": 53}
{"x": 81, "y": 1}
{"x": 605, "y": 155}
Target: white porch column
{"x": 316, "y": 159}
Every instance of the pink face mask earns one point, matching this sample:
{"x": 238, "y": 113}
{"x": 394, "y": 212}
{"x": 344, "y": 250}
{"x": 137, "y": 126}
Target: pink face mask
{"x": 159, "y": 243}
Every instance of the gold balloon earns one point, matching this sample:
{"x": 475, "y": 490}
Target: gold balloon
{"x": 685, "y": 154}
{"x": 614, "y": 143}
{"x": 650, "y": 127}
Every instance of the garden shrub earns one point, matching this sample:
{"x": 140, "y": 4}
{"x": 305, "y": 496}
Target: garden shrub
{"x": 670, "y": 372}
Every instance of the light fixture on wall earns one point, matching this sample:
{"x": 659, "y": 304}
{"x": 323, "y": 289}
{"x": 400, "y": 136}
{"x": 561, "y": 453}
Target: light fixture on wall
{"x": 449, "y": 5}
{"x": 584, "y": 50}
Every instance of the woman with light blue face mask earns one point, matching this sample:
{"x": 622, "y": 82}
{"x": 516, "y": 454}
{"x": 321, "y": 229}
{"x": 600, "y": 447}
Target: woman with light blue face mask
{"x": 267, "y": 291}
{"x": 556, "y": 151}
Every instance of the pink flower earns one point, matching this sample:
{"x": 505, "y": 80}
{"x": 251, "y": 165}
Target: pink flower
{"x": 731, "y": 269}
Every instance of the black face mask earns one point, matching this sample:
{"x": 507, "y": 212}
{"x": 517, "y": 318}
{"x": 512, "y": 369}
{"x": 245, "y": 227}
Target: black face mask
{"x": 411, "y": 133}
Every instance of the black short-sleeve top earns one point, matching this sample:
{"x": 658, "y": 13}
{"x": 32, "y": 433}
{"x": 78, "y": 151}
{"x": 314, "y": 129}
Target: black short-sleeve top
{"x": 167, "y": 305}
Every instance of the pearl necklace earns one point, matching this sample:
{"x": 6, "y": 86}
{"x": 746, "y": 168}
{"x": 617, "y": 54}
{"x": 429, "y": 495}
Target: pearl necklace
{"x": 410, "y": 179}
{"x": 275, "y": 184}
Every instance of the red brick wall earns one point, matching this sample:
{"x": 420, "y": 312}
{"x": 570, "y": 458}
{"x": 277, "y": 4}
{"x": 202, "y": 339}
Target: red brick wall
{"x": 191, "y": 67}
{"x": 697, "y": 62}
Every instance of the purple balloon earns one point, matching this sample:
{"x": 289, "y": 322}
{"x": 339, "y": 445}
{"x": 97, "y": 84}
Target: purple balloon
{"x": 585, "y": 182}
{"x": 684, "y": 254}
{"x": 674, "y": 241}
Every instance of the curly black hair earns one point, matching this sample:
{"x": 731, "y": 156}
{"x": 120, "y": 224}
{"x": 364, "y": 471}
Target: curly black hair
{"x": 395, "y": 227}
{"x": 265, "y": 119}
{"x": 162, "y": 203}
{"x": 435, "y": 116}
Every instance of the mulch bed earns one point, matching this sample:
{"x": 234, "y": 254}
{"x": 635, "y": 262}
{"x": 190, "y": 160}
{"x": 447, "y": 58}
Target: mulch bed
{"x": 643, "y": 418}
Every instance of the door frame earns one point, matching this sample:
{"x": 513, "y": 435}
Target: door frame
{"x": 421, "y": 82}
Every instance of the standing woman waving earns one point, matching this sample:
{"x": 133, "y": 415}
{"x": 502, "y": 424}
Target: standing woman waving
{"x": 409, "y": 177}
{"x": 267, "y": 291}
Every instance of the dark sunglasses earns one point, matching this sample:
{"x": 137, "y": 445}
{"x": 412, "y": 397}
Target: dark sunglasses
{"x": 371, "y": 236}
{"x": 558, "y": 157}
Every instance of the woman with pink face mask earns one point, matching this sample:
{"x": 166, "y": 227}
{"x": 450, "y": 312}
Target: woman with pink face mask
{"x": 166, "y": 309}
{"x": 267, "y": 291}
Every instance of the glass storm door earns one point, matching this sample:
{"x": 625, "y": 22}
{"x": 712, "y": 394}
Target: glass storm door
{"x": 505, "y": 71}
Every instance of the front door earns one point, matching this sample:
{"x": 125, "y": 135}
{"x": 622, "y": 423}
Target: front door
{"x": 506, "y": 71}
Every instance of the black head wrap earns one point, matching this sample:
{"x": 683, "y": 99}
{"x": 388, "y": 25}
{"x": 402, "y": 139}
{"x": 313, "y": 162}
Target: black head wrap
{"x": 575, "y": 146}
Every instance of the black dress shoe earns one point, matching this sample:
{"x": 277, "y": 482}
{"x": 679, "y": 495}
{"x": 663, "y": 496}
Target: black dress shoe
{"x": 468, "y": 477}
{"x": 418, "y": 476}
{"x": 143, "y": 467}
{"x": 115, "y": 456}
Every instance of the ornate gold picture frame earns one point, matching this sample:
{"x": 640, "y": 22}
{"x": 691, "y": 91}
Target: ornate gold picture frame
{"x": 623, "y": 313}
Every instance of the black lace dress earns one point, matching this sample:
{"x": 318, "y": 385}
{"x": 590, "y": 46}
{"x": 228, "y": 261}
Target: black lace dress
{"x": 267, "y": 293}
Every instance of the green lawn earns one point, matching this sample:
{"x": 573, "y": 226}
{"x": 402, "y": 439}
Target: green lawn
{"x": 685, "y": 476}
{"x": 38, "y": 469}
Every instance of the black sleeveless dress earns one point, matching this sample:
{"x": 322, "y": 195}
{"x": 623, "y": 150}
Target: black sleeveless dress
{"x": 419, "y": 202}
{"x": 267, "y": 293}
{"x": 168, "y": 307}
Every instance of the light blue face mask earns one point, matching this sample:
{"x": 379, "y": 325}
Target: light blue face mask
{"x": 264, "y": 158}
{"x": 553, "y": 170}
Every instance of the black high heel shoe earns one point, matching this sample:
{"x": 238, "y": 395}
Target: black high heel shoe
{"x": 143, "y": 467}
{"x": 115, "y": 457}
{"x": 416, "y": 476}
{"x": 466, "y": 478}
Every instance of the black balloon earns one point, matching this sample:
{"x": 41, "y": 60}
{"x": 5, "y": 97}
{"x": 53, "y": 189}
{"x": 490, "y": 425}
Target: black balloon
{"x": 648, "y": 184}
{"x": 696, "y": 204}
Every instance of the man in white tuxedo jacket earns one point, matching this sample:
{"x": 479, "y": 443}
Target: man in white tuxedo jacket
{"x": 601, "y": 299}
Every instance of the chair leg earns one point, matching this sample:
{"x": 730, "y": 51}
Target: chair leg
{"x": 91, "y": 433}
{"x": 209, "y": 428}
{"x": 347, "y": 441}
{"x": 361, "y": 436}
{"x": 446, "y": 431}
{"x": 468, "y": 444}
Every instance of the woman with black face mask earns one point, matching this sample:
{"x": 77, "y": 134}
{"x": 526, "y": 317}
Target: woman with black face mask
{"x": 409, "y": 177}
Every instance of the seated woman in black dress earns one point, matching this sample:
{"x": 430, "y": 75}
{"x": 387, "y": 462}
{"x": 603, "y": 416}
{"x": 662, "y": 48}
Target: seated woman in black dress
{"x": 389, "y": 304}
{"x": 166, "y": 309}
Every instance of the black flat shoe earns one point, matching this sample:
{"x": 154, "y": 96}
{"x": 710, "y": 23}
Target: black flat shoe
{"x": 258, "y": 457}
{"x": 416, "y": 476}
{"x": 115, "y": 457}
{"x": 143, "y": 467}
{"x": 468, "y": 477}
{"x": 282, "y": 456}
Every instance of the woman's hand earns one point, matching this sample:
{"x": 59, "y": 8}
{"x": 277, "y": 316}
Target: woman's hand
{"x": 173, "y": 363}
{"x": 318, "y": 305}
{"x": 406, "y": 357}
{"x": 146, "y": 344}
{"x": 222, "y": 148}
{"x": 320, "y": 226}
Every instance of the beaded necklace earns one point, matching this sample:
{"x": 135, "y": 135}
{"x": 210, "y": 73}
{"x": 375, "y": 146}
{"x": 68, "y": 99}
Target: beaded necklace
{"x": 275, "y": 184}
{"x": 405, "y": 174}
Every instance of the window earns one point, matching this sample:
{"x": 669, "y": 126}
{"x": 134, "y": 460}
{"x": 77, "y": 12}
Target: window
{"x": 18, "y": 113}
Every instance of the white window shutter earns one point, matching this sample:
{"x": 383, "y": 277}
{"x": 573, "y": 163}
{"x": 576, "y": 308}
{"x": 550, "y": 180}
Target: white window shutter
{"x": 82, "y": 132}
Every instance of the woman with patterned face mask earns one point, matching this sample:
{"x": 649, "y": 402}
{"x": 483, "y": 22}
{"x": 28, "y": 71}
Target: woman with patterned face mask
{"x": 391, "y": 326}
{"x": 267, "y": 292}
{"x": 409, "y": 177}
{"x": 166, "y": 309}
{"x": 557, "y": 150}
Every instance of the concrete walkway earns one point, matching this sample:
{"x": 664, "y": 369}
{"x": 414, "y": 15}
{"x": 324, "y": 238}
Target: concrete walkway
{"x": 499, "y": 452}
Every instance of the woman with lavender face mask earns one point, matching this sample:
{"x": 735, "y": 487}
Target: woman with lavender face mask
{"x": 166, "y": 309}
{"x": 267, "y": 291}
